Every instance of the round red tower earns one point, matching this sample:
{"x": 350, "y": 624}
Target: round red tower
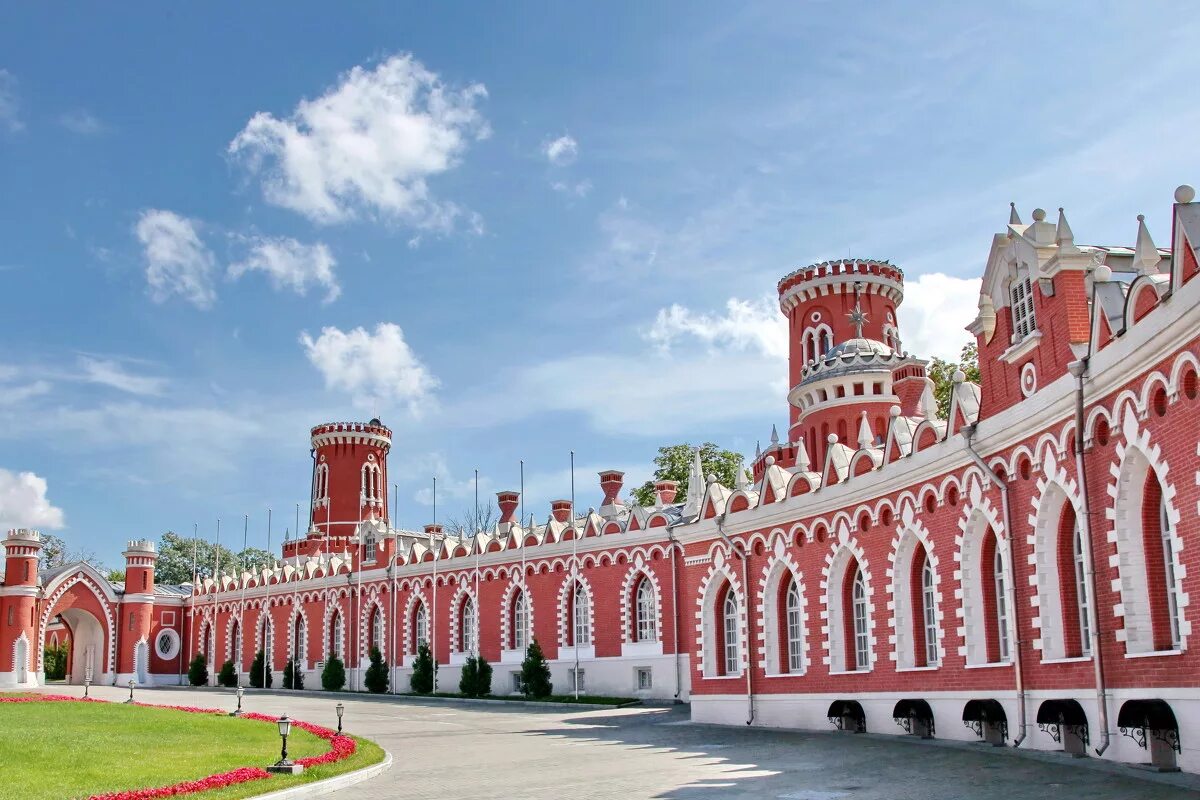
{"x": 18, "y": 600}
{"x": 844, "y": 353}
{"x": 350, "y": 480}
{"x": 137, "y": 613}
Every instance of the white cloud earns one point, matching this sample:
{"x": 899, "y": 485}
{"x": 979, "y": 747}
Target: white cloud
{"x": 108, "y": 372}
{"x": 23, "y": 502}
{"x": 376, "y": 367}
{"x": 936, "y": 310}
{"x": 10, "y": 117}
{"x": 177, "y": 261}
{"x": 82, "y": 122}
{"x": 581, "y": 189}
{"x": 561, "y": 151}
{"x": 368, "y": 144}
{"x": 290, "y": 264}
{"x": 747, "y": 325}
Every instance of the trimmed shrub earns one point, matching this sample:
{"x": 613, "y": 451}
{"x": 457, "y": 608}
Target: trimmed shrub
{"x": 535, "y": 672}
{"x": 228, "y": 676}
{"x": 293, "y": 676}
{"x": 333, "y": 677}
{"x": 198, "y": 671}
{"x": 422, "y": 674}
{"x": 476, "y": 680}
{"x": 257, "y": 668}
{"x": 376, "y": 678}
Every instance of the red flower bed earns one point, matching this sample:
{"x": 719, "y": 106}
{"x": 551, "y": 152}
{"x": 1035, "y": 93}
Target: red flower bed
{"x": 340, "y": 747}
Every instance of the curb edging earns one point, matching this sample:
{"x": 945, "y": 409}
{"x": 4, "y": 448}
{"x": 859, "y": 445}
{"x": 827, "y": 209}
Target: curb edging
{"x": 318, "y": 788}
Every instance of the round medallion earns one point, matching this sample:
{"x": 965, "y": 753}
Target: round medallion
{"x": 1028, "y": 379}
{"x": 166, "y": 644}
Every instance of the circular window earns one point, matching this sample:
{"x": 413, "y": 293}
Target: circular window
{"x": 166, "y": 644}
{"x": 1028, "y": 379}
{"x": 864, "y": 522}
{"x": 815, "y": 316}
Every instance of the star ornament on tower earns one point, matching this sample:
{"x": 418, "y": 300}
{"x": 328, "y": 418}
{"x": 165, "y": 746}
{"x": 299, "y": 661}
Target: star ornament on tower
{"x": 858, "y": 319}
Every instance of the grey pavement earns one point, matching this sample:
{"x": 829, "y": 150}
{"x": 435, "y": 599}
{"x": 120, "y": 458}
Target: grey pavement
{"x": 480, "y": 752}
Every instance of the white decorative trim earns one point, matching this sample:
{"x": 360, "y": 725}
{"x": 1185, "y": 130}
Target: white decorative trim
{"x": 706, "y": 608}
{"x": 910, "y": 534}
{"x": 83, "y": 575}
{"x": 565, "y": 612}
{"x": 1055, "y": 489}
{"x": 463, "y": 591}
{"x": 506, "y": 604}
{"x": 633, "y": 577}
{"x": 410, "y": 606}
{"x": 770, "y": 645}
{"x": 843, "y": 549}
{"x": 978, "y": 518}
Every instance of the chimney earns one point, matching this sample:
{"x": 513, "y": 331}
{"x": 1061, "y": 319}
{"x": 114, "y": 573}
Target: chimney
{"x": 611, "y": 481}
{"x": 666, "y": 491}
{"x": 508, "y": 502}
{"x": 561, "y": 509}
{"x": 433, "y": 528}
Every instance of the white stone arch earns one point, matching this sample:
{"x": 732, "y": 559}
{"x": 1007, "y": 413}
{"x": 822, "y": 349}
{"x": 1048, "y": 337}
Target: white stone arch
{"x": 89, "y": 578}
{"x": 844, "y": 551}
{"x": 233, "y": 646}
{"x": 979, "y": 518}
{"x": 779, "y": 567}
{"x": 372, "y": 605}
{"x": 633, "y": 578}
{"x": 20, "y": 661}
{"x": 516, "y": 586}
{"x": 265, "y": 623}
{"x": 719, "y": 573}
{"x": 1056, "y": 491}
{"x": 1136, "y": 458}
{"x": 417, "y": 598}
{"x": 334, "y": 610}
{"x": 1182, "y": 361}
{"x": 911, "y": 535}
{"x": 461, "y": 594}
{"x": 141, "y": 662}
{"x": 302, "y": 646}
{"x": 566, "y": 617}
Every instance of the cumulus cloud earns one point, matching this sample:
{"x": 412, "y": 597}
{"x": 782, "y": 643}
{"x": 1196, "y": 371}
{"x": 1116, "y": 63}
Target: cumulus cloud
{"x": 746, "y": 325}
{"x": 290, "y": 264}
{"x": 108, "y": 372}
{"x": 936, "y": 310}
{"x": 23, "y": 502}
{"x": 368, "y": 145}
{"x": 82, "y": 122}
{"x": 581, "y": 189}
{"x": 10, "y": 116}
{"x": 376, "y": 367}
{"x": 561, "y": 151}
{"x": 177, "y": 260}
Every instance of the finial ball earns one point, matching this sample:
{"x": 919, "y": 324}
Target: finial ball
{"x": 1185, "y": 194}
{"x": 769, "y": 461}
{"x": 831, "y": 438}
{"x": 1039, "y": 214}
{"x": 1141, "y": 217}
{"x": 959, "y": 376}
{"x": 1102, "y": 273}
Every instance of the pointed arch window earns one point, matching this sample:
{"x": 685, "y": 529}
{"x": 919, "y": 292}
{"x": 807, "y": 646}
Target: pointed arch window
{"x": 729, "y": 631}
{"x": 862, "y": 640}
{"x": 794, "y": 627}
{"x": 420, "y": 627}
{"x": 377, "y": 629}
{"x": 646, "y": 612}
{"x": 581, "y": 628}
{"x": 337, "y": 629}
{"x": 520, "y": 621}
{"x": 1001, "y": 586}
{"x": 1081, "y": 591}
{"x": 929, "y": 612}
{"x": 1161, "y": 571}
{"x": 466, "y": 626}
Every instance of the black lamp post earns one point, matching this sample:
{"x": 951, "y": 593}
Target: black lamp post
{"x": 238, "y": 711}
{"x": 87, "y": 684}
{"x": 131, "y": 685}
{"x": 285, "y": 728}
{"x": 341, "y": 709}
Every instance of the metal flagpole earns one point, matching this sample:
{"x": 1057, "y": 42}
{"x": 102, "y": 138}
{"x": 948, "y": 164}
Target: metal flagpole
{"x": 216, "y": 593}
{"x": 575, "y": 569}
{"x": 478, "y": 527}
{"x": 237, "y": 646}
{"x": 266, "y": 609}
{"x": 524, "y": 538}
{"x": 356, "y": 562}
{"x": 392, "y": 654}
{"x": 191, "y": 616}
{"x": 433, "y": 611}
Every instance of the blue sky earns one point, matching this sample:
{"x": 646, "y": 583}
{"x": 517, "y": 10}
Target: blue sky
{"x": 510, "y": 230}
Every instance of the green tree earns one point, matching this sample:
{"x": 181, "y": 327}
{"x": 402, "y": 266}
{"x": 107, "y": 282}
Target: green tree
{"x": 54, "y": 660}
{"x": 116, "y": 575}
{"x": 198, "y": 671}
{"x": 56, "y": 553}
{"x": 422, "y": 674}
{"x": 333, "y": 677}
{"x": 476, "y": 680}
{"x": 176, "y": 554}
{"x": 258, "y": 671}
{"x": 535, "y": 672}
{"x": 228, "y": 676}
{"x": 293, "y": 676}
{"x": 941, "y": 372}
{"x": 376, "y": 678}
{"x": 674, "y": 463}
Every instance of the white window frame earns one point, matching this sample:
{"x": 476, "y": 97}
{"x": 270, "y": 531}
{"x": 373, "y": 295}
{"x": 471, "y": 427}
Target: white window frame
{"x": 1082, "y": 601}
{"x": 466, "y": 628}
{"x": 339, "y": 636}
{"x": 862, "y": 636}
{"x": 644, "y": 679}
{"x": 1168, "y": 554}
{"x": 646, "y": 607}
{"x": 929, "y": 614}
{"x": 795, "y": 627}
{"x": 580, "y": 619}
{"x": 1020, "y": 295}
{"x": 1001, "y": 583}
{"x": 421, "y": 626}
{"x": 376, "y": 628}
{"x": 520, "y": 622}
{"x": 729, "y": 620}
{"x": 369, "y": 547}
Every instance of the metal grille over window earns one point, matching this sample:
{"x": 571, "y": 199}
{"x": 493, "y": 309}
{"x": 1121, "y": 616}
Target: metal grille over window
{"x": 1022, "y": 309}
{"x": 729, "y": 614}
{"x": 862, "y": 644}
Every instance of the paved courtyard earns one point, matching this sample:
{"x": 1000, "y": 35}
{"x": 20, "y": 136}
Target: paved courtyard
{"x": 481, "y": 752}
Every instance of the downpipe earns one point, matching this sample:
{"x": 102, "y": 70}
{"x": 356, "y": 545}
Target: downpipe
{"x": 1018, "y": 672}
{"x": 741, "y": 554}
{"x": 1079, "y": 369}
{"x": 675, "y": 614}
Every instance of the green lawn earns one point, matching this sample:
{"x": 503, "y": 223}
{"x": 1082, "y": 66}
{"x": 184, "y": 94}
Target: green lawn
{"x": 51, "y": 751}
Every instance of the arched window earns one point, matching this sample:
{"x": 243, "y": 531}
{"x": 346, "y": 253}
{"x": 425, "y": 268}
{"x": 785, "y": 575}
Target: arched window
{"x": 377, "y": 628}
{"x": 466, "y": 626}
{"x": 1081, "y": 591}
{"x": 793, "y": 627}
{"x": 1160, "y": 566}
{"x": 1001, "y": 586}
{"x": 1072, "y": 586}
{"x": 520, "y": 621}
{"x": 266, "y": 637}
{"x": 420, "y": 627}
{"x": 1021, "y": 306}
{"x": 337, "y": 629}
{"x": 581, "y": 629}
{"x": 646, "y": 608}
{"x": 299, "y": 639}
{"x": 729, "y": 634}
{"x": 929, "y": 613}
{"x": 235, "y": 636}
{"x": 862, "y": 641}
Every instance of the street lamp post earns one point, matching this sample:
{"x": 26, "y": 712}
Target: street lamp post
{"x": 285, "y": 764}
{"x": 87, "y": 684}
{"x": 131, "y": 685}
{"x": 341, "y": 709}
{"x": 238, "y": 711}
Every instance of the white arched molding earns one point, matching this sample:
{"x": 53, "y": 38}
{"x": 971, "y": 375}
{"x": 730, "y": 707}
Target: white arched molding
{"x": 20, "y": 661}
{"x": 719, "y": 573}
{"x": 56, "y": 594}
{"x": 303, "y": 644}
{"x": 461, "y": 594}
{"x": 844, "y": 551}
{"x": 911, "y": 536}
{"x": 771, "y": 623}
{"x": 515, "y": 586}
{"x": 232, "y": 644}
{"x": 415, "y": 600}
{"x": 1056, "y": 492}
{"x": 1136, "y": 457}
{"x": 566, "y": 616}
{"x": 979, "y": 518}
{"x": 333, "y": 607}
{"x": 264, "y": 615}
{"x": 372, "y": 604}
{"x": 633, "y": 578}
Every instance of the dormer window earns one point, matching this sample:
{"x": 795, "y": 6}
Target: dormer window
{"x": 1021, "y": 305}
{"x": 817, "y": 342}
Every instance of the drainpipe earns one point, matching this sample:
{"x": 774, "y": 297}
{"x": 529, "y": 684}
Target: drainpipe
{"x": 746, "y": 588}
{"x": 1078, "y": 370}
{"x": 1018, "y": 673}
{"x": 675, "y": 614}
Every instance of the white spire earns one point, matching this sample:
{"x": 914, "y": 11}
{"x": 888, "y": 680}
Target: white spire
{"x": 1145, "y": 254}
{"x": 695, "y": 492}
{"x": 802, "y": 459}
{"x": 1013, "y": 217}
{"x": 928, "y": 403}
{"x": 757, "y": 450}
{"x": 740, "y": 482}
{"x": 774, "y": 435}
{"x": 865, "y": 438}
{"x": 1064, "y": 236}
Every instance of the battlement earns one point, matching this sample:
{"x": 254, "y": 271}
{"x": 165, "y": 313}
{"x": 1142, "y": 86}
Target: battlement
{"x": 881, "y": 277}
{"x": 330, "y": 432}
{"x": 141, "y": 546}
{"x": 24, "y": 534}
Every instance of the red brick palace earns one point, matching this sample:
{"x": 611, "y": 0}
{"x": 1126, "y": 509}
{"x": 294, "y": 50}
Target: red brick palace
{"x": 1019, "y": 572}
